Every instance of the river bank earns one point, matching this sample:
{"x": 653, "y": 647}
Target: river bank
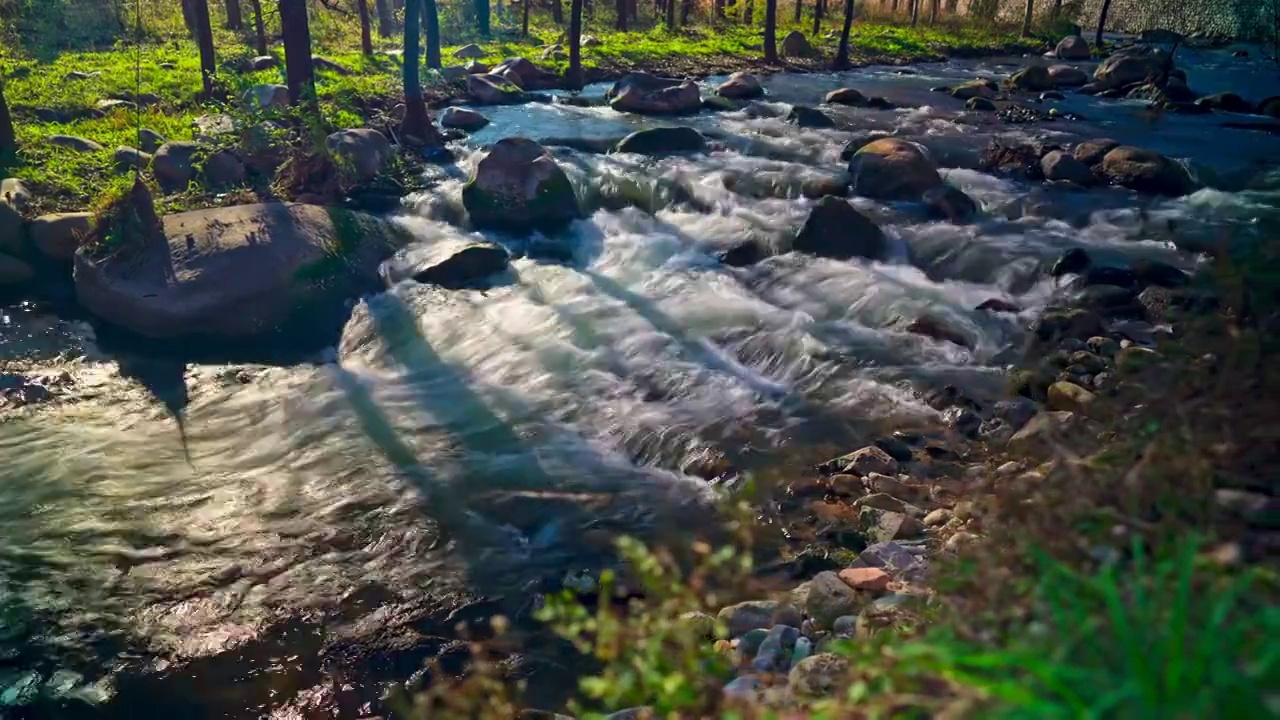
{"x": 673, "y": 331}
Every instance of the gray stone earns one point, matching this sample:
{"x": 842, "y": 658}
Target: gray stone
{"x": 263, "y": 62}
{"x": 754, "y": 614}
{"x": 846, "y": 96}
{"x": 78, "y": 144}
{"x": 13, "y": 230}
{"x": 662, "y": 141}
{"x": 834, "y": 229}
{"x": 1072, "y": 47}
{"x": 950, "y": 202}
{"x": 58, "y": 236}
{"x": 267, "y": 96}
{"x": 451, "y": 264}
{"x": 127, "y": 159}
{"x": 213, "y": 128}
{"x": 149, "y": 140}
{"x": 807, "y": 117}
{"x": 774, "y": 654}
{"x": 643, "y": 93}
{"x": 173, "y": 165}
{"x": 830, "y": 597}
{"x": 327, "y": 65}
{"x": 796, "y": 45}
{"x": 741, "y": 86}
{"x": 1067, "y": 76}
{"x": 1059, "y": 166}
{"x": 818, "y": 675}
{"x": 1050, "y": 431}
{"x": 15, "y": 193}
{"x": 462, "y": 119}
{"x": 489, "y": 89}
{"x": 469, "y": 52}
{"x": 518, "y": 186}
{"x": 361, "y": 153}
{"x": 223, "y": 168}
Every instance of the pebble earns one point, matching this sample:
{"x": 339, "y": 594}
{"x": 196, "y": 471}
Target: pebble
{"x": 774, "y": 655}
{"x": 845, "y": 625}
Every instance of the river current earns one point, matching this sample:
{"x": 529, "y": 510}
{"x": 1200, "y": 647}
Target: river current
{"x": 316, "y": 499}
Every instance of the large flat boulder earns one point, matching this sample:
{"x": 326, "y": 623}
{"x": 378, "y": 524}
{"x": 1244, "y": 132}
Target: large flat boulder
{"x": 647, "y": 94}
{"x": 234, "y": 272}
{"x": 518, "y": 186}
{"x": 1128, "y": 68}
{"x": 892, "y": 169}
{"x": 1147, "y": 172}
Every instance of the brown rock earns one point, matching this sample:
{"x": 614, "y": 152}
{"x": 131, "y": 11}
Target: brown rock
{"x": 870, "y": 579}
{"x": 834, "y": 229}
{"x": 892, "y": 169}
{"x": 1146, "y": 172}
{"x": 1091, "y": 152}
{"x": 58, "y": 236}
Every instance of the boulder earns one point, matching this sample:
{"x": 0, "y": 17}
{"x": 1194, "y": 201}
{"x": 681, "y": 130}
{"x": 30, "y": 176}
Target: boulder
{"x": 834, "y": 229}
{"x": 892, "y": 169}
{"x": 1072, "y": 47}
{"x": 521, "y": 71}
{"x": 475, "y": 67}
{"x": 450, "y": 264}
{"x": 741, "y": 86}
{"x": 553, "y": 52}
{"x": 980, "y": 104}
{"x": 975, "y": 88}
{"x": 1058, "y": 166}
{"x": 662, "y": 141}
{"x": 1127, "y": 68}
{"x": 235, "y": 272}
{"x": 1067, "y": 76}
{"x": 78, "y": 144}
{"x": 807, "y": 117}
{"x": 360, "y": 154}
{"x": 212, "y": 128}
{"x": 264, "y": 97}
{"x": 127, "y": 159}
{"x": 1069, "y": 396}
{"x": 58, "y": 236}
{"x": 1226, "y": 102}
{"x": 829, "y": 598}
{"x": 263, "y": 62}
{"x": 647, "y": 94}
{"x": 1091, "y": 152}
{"x": 469, "y": 52}
{"x": 453, "y": 73}
{"x": 1033, "y": 79}
{"x": 173, "y": 165}
{"x": 15, "y": 193}
{"x": 950, "y": 203}
{"x": 13, "y": 231}
{"x": 818, "y": 675}
{"x": 846, "y": 96}
{"x": 796, "y": 45}
{"x": 744, "y": 617}
{"x": 462, "y": 119}
{"x": 223, "y": 168}
{"x": 14, "y": 271}
{"x": 1146, "y": 172}
{"x": 149, "y": 140}
{"x": 494, "y": 90}
{"x": 518, "y": 186}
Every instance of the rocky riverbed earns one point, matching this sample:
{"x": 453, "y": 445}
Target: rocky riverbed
{"x": 801, "y": 271}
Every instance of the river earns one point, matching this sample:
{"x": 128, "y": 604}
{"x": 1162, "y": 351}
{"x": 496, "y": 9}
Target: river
{"x": 298, "y": 534}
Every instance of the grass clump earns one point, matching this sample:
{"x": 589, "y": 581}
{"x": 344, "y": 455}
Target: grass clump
{"x": 124, "y": 221}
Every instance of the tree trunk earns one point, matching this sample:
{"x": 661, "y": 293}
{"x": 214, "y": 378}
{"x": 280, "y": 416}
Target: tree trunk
{"x": 234, "y": 20}
{"x": 717, "y": 10}
{"x": 686, "y": 9}
{"x": 386, "y": 18}
{"x": 819, "y": 8}
{"x": 620, "y": 10}
{"x": 1102, "y": 23}
{"x": 8, "y": 138}
{"x": 557, "y": 12}
{"x": 416, "y": 123}
{"x": 189, "y": 16}
{"x": 915, "y": 12}
{"x": 842, "y": 55}
{"x": 933, "y": 12}
{"x": 671, "y": 14}
{"x": 799, "y": 11}
{"x": 1027, "y": 17}
{"x": 635, "y": 11}
{"x": 204, "y": 39}
{"x": 524, "y": 21}
{"x": 299, "y": 73}
{"x": 259, "y": 28}
{"x": 771, "y": 31}
{"x": 574, "y": 76}
{"x": 482, "y": 17}
{"x": 749, "y": 12}
{"x": 431, "y": 26}
{"x": 366, "y": 32}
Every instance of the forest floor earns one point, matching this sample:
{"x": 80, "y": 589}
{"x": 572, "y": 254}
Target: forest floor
{"x": 91, "y": 94}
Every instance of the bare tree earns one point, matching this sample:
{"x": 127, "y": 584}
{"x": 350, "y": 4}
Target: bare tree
{"x": 557, "y": 12}
{"x": 189, "y": 16}
{"x": 524, "y": 23}
{"x": 915, "y": 12}
{"x": 386, "y": 18}
{"x": 819, "y": 8}
{"x": 749, "y": 12}
{"x": 417, "y": 122}
{"x": 8, "y": 138}
{"x": 574, "y": 76}
{"x": 842, "y": 55}
{"x": 686, "y": 9}
{"x": 259, "y": 28}
{"x": 204, "y": 39}
{"x": 234, "y": 20}
{"x": 717, "y": 10}
{"x": 771, "y": 31}
{"x": 482, "y": 17}
{"x": 1102, "y": 23}
{"x": 1027, "y": 17}
{"x": 296, "y": 31}
{"x": 366, "y": 32}
{"x": 620, "y": 11}
{"x": 799, "y": 11}
{"x": 933, "y": 12}
{"x": 671, "y": 14}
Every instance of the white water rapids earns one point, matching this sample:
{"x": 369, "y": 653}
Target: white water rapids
{"x": 601, "y": 377}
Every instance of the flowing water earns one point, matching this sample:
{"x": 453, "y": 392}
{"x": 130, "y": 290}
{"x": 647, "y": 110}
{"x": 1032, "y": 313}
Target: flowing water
{"x": 457, "y": 443}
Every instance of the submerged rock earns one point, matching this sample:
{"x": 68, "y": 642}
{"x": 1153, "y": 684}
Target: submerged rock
{"x": 975, "y": 88}
{"x": 518, "y": 186}
{"x": 1127, "y": 68}
{"x": 1067, "y": 76}
{"x": 1033, "y": 79}
{"x": 647, "y": 94}
{"x": 1060, "y": 167}
{"x": 892, "y": 169}
{"x": 1091, "y": 152}
{"x": 1226, "y": 102}
{"x": 741, "y": 86}
{"x": 834, "y": 229}
{"x": 807, "y": 117}
{"x": 949, "y": 202}
{"x": 452, "y": 264}
{"x": 846, "y": 96}
{"x": 661, "y": 141}
{"x": 234, "y": 272}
